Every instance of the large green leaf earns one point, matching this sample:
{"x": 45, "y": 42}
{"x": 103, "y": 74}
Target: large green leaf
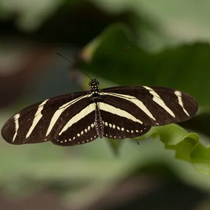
{"x": 186, "y": 145}
{"x": 185, "y": 67}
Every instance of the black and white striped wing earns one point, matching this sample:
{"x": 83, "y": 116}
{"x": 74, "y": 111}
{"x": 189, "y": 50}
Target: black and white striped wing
{"x": 79, "y": 129}
{"x": 51, "y": 120}
{"x": 117, "y": 126}
{"x": 148, "y": 106}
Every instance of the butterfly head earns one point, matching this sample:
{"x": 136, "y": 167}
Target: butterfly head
{"x": 94, "y": 84}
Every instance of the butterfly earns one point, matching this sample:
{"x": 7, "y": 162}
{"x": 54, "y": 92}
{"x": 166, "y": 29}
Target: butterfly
{"x": 116, "y": 112}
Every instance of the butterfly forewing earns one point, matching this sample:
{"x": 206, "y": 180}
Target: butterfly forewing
{"x": 128, "y": 107}
{"x": 42, "y": 121}
{"x": 153, "y": 106}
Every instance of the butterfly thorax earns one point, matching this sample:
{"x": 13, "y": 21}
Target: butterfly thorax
{"x": 95, "y": 95}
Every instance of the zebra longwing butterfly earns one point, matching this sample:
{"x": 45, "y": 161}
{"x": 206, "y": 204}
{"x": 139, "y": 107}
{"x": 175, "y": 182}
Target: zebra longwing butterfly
{"x": 116, "y": 112}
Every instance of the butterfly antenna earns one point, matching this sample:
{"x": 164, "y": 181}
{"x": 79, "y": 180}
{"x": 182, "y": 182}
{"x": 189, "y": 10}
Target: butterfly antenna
{"x": 73, "y": 64}
{"x": 116, "y": 57}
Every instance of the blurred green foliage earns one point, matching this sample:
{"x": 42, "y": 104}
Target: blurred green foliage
{"x": 166, "y": 49}
{"x": 184, "y": 67}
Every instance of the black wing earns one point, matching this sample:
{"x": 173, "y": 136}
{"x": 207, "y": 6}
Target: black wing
{"x": 80, "y": 132}
{"x": 44, "y": 121}
{"x": 151, "y": 106}
{"x": 119, "y": 127}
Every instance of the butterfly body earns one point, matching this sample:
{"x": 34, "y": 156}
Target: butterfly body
{"x": 117, "y": 112}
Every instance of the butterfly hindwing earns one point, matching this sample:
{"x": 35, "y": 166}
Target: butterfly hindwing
{"x": 81, "y": 131}
{"x": 117, "y": 127}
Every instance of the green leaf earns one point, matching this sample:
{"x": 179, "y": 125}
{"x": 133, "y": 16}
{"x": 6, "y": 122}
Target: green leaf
{"x": 184, "y": 67}
{"x": 186, "y": 145}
